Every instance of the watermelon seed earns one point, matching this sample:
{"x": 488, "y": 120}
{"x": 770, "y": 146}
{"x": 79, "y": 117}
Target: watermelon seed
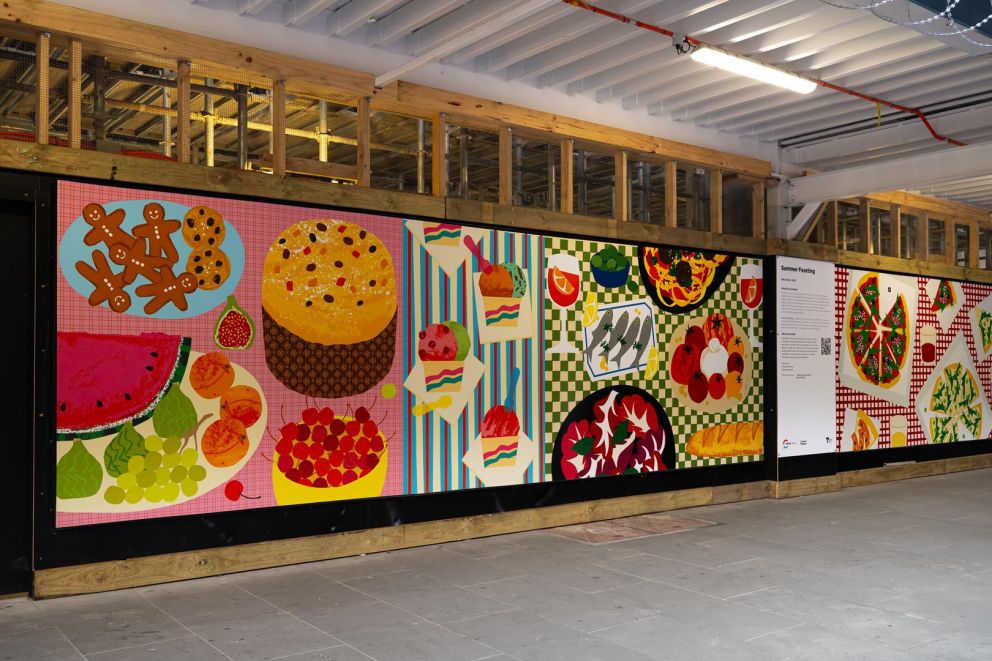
{"x": 149, "y": 368}
{"x": 154, "y": 354}
{"x": 62, "y": 406}
{"x": 127, "y": 396}
{"x": 99, "y": 403}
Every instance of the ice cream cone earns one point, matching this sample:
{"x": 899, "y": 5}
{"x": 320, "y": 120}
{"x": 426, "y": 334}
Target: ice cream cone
{"x": 499, "y": 451}
{"x": 501, "y": 311}
{"x": 443, "y": 375}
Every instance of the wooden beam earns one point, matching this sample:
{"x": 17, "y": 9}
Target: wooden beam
{"x": 505, "y": 165}
{"x": 923, "y": 236}
{"x": 758, "y": 210}
{"x": 567, "y": 175}
{"x": 716, "y": 201}
{"x": 118, "y": 574}
{"x": 832, "y": 223}
{"x": 950, "y": 242}
{"x": 895, "y": 217}
{"x": 182, "y": 110}
{"x": 439, "y": 155}
{"x": 936, "y": 205}
{"x": 75, "y": 93}
{"x": 314, "y": 168}
{"x": 278, "y": 120}
{"x": 621, "y": 186}
{"x": 973, "y": 245}
{"x": 671, "y": 194}
{"x": 42, "y": 87}
{"x": 363, "y": 127}
{"x": 864, "y": 225}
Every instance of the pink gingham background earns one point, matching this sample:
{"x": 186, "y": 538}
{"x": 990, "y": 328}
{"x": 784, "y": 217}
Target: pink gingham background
{"x": 258, "y": 224}
{"x": 881, "y": 409}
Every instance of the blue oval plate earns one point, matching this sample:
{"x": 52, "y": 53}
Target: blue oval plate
{"x": 72, "y": 250}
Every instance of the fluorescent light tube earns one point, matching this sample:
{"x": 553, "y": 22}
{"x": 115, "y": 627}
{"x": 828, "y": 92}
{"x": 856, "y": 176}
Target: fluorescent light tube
{"x": 751, "y": 69}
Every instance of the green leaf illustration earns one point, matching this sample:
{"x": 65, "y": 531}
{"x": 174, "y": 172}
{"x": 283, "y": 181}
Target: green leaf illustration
{"x": 620, "y": 432}
{"x": 583, "y": 446}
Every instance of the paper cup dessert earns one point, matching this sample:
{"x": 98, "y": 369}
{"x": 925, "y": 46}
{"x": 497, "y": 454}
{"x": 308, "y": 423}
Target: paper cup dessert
{"x": 502, "y": 290}
{"x": 500, "y": 437}
{"x": 328, "y": 308}
{"x": 443, "y": 349}
{"x": 442, "y": 234}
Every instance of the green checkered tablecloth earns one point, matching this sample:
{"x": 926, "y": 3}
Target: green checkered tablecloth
{"x": 567, "y": 382}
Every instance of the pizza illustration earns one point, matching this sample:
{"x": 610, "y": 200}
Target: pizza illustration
{"x": 877, "y": 345}
{"x": 985, "y": 328}
{"x": 680, "y": 279}
{"x": 944, "y": 298}
{"x": 955, "y": 403}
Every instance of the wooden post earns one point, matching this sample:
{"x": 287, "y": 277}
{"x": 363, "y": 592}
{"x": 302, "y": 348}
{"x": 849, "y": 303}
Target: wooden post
{"x": 895, "y": 218}
{"x": 864, "y": 225}
{"x": 278, "y": 109}
{"x": 439, "y": 155}
{"x": 950, "y": 244}
{"x": 923, "y": 235}
{"x": 505, "y": 165}
{"x": 621, "y": 186}
{"x": 363, "y": 132}
{"x": 758, "y": 210}
{"x": 567, "y": 170}
{"x": 832, "y": 223}
{"x": 75, "y": 93}
{"x": 208, "y": 125}
{"x": 716, "y": 201}
{"x": 42, "y": 54}
{"x": 973, "y": 244}
{"x": 671, "y": 193}
{"x": 182, "y": 110}
{"x": 322, "y": 141}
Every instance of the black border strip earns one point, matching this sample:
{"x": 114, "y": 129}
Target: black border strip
{"x": 57, "y": 547}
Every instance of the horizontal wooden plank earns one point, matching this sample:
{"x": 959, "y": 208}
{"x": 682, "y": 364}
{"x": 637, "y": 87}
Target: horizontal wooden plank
{"x": 313, "y": 168}
{"x": 937, "y": 206}
{"x": 118, "y": 574}
{"x": 805, "y": 487}
{"x": 914, "y": 470}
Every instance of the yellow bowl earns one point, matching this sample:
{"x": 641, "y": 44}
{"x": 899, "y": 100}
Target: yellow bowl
{"x": 288, "y": 492}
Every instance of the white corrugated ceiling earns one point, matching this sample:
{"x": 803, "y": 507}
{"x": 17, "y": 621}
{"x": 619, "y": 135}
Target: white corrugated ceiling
{"x": 552, "y": 44}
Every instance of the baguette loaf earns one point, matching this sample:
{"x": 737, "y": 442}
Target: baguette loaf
{"x": 728, "y": 440}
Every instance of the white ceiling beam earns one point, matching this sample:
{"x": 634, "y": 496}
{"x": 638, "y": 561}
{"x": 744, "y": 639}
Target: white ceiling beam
{"x": 982, "y": 184}
{"x": 571, "y": 26}
{"x": 408, "y": 18}
{"x": 356, "y": 14}
{"x": 452, "y": 45}
{"x": 252, "y": 7}
{"x": 634, "y": 48}
{"x": 866, "y": 141}
{"x": 455, "y": 23}
{"x": 911, "y": 172}
{"x": 545, "y": 17}
{"x": 299, "y": 12}
{"x": 691, "y": 79}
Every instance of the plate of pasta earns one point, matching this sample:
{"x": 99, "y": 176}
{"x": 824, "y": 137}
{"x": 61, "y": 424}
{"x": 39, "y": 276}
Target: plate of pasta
{"x": 681, "y": 279}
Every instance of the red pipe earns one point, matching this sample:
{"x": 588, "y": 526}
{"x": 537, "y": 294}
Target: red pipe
{"x": 822, "y": 83}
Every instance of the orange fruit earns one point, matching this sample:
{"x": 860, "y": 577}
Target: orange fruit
{"x": 561, "y": 281}
{"x": 241, "y": 403}
{"x": 225, "y": 442}
{"x": 211, "y": 375}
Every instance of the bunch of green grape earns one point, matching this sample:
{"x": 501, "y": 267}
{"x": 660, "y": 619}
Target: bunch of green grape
{"x": 158, "y": 475}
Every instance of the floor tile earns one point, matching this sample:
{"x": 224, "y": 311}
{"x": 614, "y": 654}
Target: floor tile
{"x": 664, "y": 638}
{"x": 20, "y": 614}
{"x": 191, "y": 648}
{"x": 206, "y": 602}
{"x": 713, "y": 582}
{"x": 812, "y": 643}
{"x": 960, "y": 646}
{"x": 48, "y": 644}
{"x": 267, "y": 636}
{"x": 299, "y": 591}
{"x": 426, "y": 596}
{"x": 524, "y": 635}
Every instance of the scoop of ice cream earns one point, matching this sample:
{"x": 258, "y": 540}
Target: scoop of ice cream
{"x": 518, "y": 279}
{"x": 496, "y": 283}
{"x": 500, "y": 421}
{"x": 437, "y": 342}
{"x": 461, "y": 337}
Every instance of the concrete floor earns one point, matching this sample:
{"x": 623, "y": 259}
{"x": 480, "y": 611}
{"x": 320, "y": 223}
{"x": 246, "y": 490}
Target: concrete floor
{"x": 894, "y": 571}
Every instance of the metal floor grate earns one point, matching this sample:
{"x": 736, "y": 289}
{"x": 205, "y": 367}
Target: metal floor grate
{"x": 632, "y": 527}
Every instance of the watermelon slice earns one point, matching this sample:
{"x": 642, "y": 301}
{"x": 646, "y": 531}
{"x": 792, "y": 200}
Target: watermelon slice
{"x": 105, "y": 380}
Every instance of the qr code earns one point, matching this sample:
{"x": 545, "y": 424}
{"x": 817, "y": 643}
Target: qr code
{"x": 826, "y": 346}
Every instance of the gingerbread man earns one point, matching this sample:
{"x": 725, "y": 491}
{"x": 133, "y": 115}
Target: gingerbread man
{"x": 136, "y": 261}
{"x": 108, "y": 286}
{"x": 168, "y": 288}
{"x": 106, "y": 227}
{"x": 158, "y": 230}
